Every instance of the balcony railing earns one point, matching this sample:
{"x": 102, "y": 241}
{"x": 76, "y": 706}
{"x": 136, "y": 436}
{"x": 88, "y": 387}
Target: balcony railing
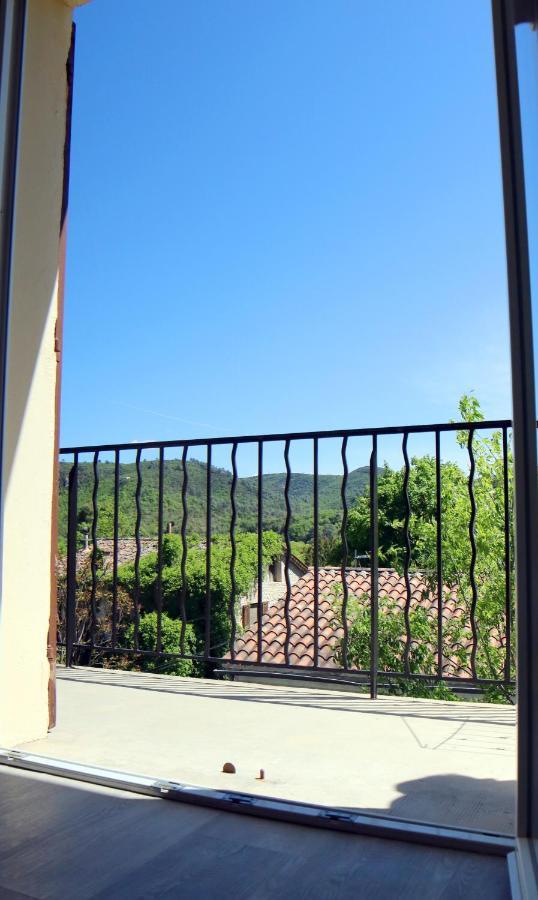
{"x": 430, "y": 611}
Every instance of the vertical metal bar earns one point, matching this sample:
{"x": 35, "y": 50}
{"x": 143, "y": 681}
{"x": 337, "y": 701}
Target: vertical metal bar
{"x": 374, "y": 571}
{"x": 260, "y": 552}
{"x": 184, "y": 550}
{"x": 95, "y": 518}
{"x": 71, "y": 587}
{"x": 524, "y": 415}
{"x": 288, "y": 554}
{"x": 233, "y": 520}
{"x": 115, "y": 549}
{"x": 136, "y": 595}
{"x": 439, "y": 566}
{"x": 472, "y": 541}
{"x": 407, "y": 557}
{"x": 507, "y": 561}
{"x": 345, "y": 551}
{"x": 115, "y": 536}
{"x": 316, "y": 552}
{"x": 208, "y": 556}
{"x": 159, "y": 582}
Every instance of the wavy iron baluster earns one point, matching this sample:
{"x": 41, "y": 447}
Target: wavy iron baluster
{"x": 507, "y": 561}
{"x": 115, "y": 548}
{"x": 316, "y": 551}
{"x": 439, "y": 553}
{"x": 136, "y": 603}
{"x": 208, "y": 556}
{"x": 374, "y": 571}
{"x": 343, "y": 532}
{"x": 288, "y": 553}
{"x": 233, "y": 520}
{"x": 184, "y": 522}
{"x": 259, "y": 601}
{"x": 159, "y": 584}
{"x": 95, "y": 511}
{"x": 472, "y": 540}
{"x": 71, "y": 599}
{"x": 407, "y": 558}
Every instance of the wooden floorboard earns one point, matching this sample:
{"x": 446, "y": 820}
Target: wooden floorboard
{"x": 63, "y": 839}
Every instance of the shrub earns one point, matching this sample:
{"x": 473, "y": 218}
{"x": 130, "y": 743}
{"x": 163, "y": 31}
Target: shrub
{"x": 170, "y": 641}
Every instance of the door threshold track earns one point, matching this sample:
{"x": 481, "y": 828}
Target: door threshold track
{"x": 293, "y": 812}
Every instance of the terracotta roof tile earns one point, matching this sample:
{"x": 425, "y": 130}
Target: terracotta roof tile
{"x": 301, "y": 613}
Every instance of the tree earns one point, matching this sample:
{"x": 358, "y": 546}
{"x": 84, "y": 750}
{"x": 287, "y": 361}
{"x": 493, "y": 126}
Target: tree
{"x": 245, "y": 573}
{"x": 85, "y": 621}
{"x": 170, "y": 643}
{"x": 489, "y": 535}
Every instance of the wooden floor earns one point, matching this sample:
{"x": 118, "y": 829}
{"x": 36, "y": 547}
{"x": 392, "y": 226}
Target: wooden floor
{"x": 64, "y": 839}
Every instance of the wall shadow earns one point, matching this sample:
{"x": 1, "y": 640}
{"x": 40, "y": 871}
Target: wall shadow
{"x": 458, "y": 801}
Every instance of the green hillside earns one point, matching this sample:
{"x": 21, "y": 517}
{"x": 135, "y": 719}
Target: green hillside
{"x": 301, "y": 486}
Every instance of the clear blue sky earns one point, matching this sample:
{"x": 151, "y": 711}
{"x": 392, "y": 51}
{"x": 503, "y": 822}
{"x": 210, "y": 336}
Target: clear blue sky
{"x": 284, "y": 215}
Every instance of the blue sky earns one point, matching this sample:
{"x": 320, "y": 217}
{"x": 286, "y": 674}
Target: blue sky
{"x": 283, "y": 216}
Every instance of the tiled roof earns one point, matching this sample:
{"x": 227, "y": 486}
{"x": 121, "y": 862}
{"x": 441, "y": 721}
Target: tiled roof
{"x": 126, "y": 548}
{"x": 298, "y": 563}
{"x": 301, "y": 613}
{"x": 126, "y": 553}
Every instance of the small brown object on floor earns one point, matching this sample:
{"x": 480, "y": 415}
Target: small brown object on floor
{"x": 261, "y": 776}
{"x": 229, "y": 768}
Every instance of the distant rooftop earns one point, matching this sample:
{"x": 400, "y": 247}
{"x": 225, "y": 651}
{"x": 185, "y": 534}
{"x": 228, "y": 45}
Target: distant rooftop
{"x": 301, "y": 612}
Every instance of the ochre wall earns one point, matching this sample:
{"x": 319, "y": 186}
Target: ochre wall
{"x": 31, "y": 378}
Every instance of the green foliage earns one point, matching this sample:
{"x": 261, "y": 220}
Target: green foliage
{"x": 423, "y": 524}
{"x": 301, "y": 489}
{"x": 391, "y": 644}
{"x": 428, "y": 690}
{"x": 489, "y": 573}
{"x": 170, "y": 642}
{"x": 303, "y": 551}
{"x": 245, "y": 569}
{"x": 391, "y": 631}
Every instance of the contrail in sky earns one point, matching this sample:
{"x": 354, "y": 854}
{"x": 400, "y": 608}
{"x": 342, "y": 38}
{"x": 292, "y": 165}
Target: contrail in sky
{"x": 154, "y": 412}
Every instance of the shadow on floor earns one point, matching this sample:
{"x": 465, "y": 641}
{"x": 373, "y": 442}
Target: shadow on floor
{"x": 458, "y": 801}
{"x": 68, "y": 839}
{"x": 304, "y": 697}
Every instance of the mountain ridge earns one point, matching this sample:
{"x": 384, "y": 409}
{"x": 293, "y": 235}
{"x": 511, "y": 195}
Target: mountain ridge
{"x": 246, "y": 498}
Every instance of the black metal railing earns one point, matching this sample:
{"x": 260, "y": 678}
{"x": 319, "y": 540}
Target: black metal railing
{"x": 103, "y": 618}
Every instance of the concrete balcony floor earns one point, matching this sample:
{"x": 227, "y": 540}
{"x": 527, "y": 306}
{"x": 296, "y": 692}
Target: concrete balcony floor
{"x": 432, "y": 761}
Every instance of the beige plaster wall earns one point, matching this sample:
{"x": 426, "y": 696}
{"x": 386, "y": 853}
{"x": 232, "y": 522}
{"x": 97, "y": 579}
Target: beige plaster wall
{"x": 30, "y": 414}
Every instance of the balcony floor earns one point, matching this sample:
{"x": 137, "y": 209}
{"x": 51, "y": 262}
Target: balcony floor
{"x": 446, "y": 763}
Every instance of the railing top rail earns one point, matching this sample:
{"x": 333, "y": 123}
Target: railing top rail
{"x": 292, "y": 436}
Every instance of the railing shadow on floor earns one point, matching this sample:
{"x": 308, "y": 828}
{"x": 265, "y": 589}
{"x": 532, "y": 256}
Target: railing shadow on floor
{"x": 250, "y": 692}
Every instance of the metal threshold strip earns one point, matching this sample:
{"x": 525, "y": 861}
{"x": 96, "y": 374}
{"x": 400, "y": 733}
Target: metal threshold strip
{"x": 269, "y": 807}
{"x": 522, "y": 868}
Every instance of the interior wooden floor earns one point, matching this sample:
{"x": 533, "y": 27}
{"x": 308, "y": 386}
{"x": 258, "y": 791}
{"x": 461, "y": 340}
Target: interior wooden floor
{"x": 64, "y": 839}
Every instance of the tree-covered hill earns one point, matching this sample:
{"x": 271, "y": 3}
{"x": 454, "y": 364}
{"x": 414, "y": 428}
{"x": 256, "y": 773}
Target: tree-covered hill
{"x": 274, "y": 508}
